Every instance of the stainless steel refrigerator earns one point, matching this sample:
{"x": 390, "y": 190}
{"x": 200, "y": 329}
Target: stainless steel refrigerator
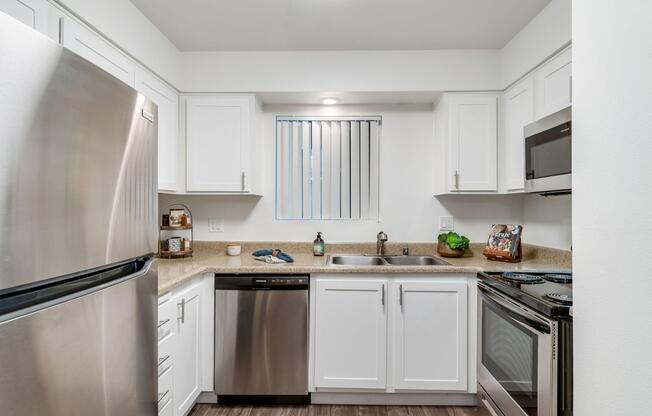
{"x": 78, "y": 218}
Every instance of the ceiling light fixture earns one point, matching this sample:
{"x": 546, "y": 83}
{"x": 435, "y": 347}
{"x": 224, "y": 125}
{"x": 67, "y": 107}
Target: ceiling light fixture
{"x": 329, "y": 101}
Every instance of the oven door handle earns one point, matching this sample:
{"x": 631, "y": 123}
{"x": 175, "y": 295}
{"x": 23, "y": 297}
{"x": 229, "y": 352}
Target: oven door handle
{"x": 515, "y": 312}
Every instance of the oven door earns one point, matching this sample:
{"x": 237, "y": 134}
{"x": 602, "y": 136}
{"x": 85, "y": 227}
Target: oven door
{"x": 516, "y": 356}
{"x": 548, "y": 153}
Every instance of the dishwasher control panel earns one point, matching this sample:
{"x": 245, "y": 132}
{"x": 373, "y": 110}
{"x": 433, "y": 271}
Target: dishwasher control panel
{"x": 258, "y": 282}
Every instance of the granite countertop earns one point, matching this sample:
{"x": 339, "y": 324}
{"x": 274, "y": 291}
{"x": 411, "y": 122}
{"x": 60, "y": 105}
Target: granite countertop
{"x": 211, "y": 257}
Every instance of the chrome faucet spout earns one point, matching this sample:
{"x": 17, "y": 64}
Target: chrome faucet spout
{"x": 381, "y": 238}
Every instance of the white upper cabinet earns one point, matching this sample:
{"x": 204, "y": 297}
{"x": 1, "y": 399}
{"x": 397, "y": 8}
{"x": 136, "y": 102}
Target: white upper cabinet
{"x": 96, "y": 49}
{"x": 350, "y": 333}
{"x": 518, "y": 110}
{"x": 466, "y": 130}
{"x": 553, "y": 84}
{"x": 167, "y": 101}
{"x": 218, "y": 143}
{"x": 430, "y": 334}
{"x": 33, "y": 13}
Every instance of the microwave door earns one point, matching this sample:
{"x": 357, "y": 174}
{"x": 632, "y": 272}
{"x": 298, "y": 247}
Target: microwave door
{"x": 548, "y": 153}
{"x": 516, "y": 358}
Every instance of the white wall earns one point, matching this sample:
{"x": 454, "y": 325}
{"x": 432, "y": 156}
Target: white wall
{"x": 124, "y": 24}
{"x": 409, "y": 212}
{"x": 307, "y": 71}
{"x": 612, "y": 219}
{"x": 547, "y": 220}
{"x": 548, "y": 32}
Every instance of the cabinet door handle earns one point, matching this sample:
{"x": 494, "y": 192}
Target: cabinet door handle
{"x": 244, "y": 181}
{"x": 382, "y": 301}
{"x": 182, "y": 304}
{"x": 457, "y": 179}
{"x": 400, "y": 296}
{"x": 61, "y": 26}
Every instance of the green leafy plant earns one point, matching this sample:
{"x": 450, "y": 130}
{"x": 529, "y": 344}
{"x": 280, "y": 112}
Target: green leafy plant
{"x": 454, "y": 240}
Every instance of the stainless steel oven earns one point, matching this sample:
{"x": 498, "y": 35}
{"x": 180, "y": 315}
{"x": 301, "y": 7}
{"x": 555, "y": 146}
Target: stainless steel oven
{"x": 517, "y": 358}
{"x": 548, "y": 154}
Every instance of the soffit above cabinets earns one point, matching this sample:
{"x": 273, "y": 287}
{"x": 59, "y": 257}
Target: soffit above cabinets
{"x": 248, "y": 25}
{"x": 349, "y": 98}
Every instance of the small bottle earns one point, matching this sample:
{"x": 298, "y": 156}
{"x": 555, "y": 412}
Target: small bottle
{"x": 318, "y": 246}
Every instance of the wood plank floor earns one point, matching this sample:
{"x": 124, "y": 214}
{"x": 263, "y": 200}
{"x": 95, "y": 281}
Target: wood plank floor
{"x": 331, "y": 410}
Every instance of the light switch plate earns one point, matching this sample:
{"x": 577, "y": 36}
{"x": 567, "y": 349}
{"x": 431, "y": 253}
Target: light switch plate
{"x": 215, "y": 226}
{"x": 446, "y": 224}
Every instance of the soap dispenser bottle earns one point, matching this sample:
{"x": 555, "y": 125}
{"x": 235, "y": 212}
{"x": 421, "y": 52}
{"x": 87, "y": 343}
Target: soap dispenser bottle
{"x": 318, "y": 245}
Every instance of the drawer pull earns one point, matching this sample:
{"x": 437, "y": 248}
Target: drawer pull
{"x": 161, "y": 360}
{"x": 162, "y": 396}
{"x": 163, "y": 322}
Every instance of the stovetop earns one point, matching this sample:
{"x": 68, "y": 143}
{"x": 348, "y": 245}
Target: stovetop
{"x": 548, "y": 293}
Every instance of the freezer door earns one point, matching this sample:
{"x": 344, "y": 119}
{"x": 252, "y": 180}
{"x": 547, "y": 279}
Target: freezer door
{"x": 78, "y": 187}
{"x": 90, "y": 355}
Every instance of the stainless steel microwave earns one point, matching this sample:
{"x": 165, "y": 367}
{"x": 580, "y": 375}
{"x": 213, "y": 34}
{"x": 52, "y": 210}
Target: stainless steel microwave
{"x": 548, "y": 154}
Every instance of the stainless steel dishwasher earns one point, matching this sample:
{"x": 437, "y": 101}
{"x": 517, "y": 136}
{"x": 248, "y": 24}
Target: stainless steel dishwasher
{"x": 261, "y": 339}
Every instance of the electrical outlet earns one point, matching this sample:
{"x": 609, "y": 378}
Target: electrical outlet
{"x": 446, "y": 224}
{"x": 215, "y": 226}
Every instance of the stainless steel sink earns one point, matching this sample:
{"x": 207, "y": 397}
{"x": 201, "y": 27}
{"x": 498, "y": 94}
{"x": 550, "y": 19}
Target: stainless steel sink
{"x": 361, "y": 260}
{"x": 353, "y": 260}
{"x": 415, "y": 261}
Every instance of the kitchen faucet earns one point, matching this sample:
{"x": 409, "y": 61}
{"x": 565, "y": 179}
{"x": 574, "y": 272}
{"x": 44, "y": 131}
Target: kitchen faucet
{"x": 381, "y": 238}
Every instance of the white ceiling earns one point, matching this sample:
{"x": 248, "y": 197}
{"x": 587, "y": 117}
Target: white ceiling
{"x": 239, "y": 25}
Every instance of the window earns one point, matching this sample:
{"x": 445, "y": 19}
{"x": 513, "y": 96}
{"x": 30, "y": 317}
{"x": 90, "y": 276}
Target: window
{"x": 327, "y": 168}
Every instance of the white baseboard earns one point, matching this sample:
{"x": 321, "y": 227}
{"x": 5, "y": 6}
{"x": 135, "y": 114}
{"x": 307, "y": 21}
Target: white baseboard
{"x": 396, "y": 399}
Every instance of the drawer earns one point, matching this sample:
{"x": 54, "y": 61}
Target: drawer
{"x": 165, "y": 382}
{"x": 165, "y": 354}
{"x": 166, "y": 314}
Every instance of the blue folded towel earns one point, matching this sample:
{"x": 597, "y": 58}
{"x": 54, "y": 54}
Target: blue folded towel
{"x": 273, "y": 252}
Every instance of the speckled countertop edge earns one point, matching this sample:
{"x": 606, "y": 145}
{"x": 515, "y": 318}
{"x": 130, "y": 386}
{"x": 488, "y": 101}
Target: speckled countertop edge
{"x": 210, "y": 257}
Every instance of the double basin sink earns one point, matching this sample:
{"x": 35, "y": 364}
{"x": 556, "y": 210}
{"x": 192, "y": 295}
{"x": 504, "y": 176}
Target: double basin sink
{"x": 362, "y": 260}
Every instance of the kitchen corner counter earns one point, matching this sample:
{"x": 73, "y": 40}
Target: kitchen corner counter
{"x": 211, "y": 258}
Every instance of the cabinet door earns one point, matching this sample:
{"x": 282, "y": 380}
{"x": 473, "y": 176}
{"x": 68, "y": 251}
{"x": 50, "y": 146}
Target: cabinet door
{"x": 167, "y": 101}
{"x": 553, "y": 84}
{"x": 350, "y": 333}
{"x": 472, "y": 142}
{"x": 519, "y": 111}
{"x": 217, "y": 139}
{"x": 187, "y": 370}
{"x": 430, "y": 334}
{"x": 33, "y": 13}
{"x": 97, "y": 50}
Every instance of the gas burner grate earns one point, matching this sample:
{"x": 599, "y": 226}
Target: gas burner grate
{"x": 559, "y": 278}
{"x": 522, "y": 278}
{"x": 560, "y": 298}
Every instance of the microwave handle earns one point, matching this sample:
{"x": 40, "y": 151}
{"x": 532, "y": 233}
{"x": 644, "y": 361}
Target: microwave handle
{"x": 514, "y": 312}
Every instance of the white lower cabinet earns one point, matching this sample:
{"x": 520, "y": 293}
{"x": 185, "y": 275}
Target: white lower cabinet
{"x": 187, "y": 369}
{"x": 185, "y": 345}
{"x": 429, "y": 334}
{"x": 392, "y": 333}
{"x": 351, "y": 333}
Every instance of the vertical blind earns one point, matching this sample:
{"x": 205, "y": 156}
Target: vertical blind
{"x": 327, "y": 168}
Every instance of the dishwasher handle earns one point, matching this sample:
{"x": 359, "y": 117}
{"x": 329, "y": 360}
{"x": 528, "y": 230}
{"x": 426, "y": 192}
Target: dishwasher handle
{"x": 261, "y": 282}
